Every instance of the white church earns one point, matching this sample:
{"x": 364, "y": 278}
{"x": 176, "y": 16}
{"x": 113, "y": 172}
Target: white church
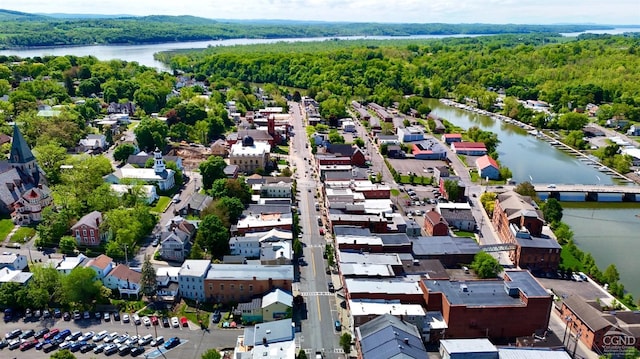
{"x": 159, "y": 175}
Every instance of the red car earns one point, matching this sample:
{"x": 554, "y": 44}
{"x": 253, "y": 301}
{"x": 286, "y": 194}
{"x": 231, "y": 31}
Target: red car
{"x": 154, "y": 320}
{"x": 184, "y": 321}
{"x": 52, "y": 333}
{"x": 321, "y": 231}
{"x": 28, "y": 344}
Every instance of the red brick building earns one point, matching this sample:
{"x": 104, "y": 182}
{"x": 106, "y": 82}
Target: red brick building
{"x": 517, "y": 221}
{"x": 87, "y": 230}
{"x": 494, "y": 308}
{"x": 435, "y": 225}
{"x": 226, "y": 283}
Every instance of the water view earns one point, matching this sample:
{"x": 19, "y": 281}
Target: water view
{"x": 608, "y": 231}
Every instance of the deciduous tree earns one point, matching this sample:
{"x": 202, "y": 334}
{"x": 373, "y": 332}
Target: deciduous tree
{"x": 485, "y": 265}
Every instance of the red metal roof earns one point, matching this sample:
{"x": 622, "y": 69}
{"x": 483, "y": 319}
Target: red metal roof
{"x": 486, "y": 161}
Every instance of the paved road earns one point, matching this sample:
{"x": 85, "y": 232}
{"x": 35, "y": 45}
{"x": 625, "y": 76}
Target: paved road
{"x": 317, "y": 330}
{"x": 196, "y": 340}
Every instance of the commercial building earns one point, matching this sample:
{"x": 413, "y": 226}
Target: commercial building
{"x": 191, "y": 278}
{"x": 488, "y": 168}
{"x": 451, "y": 251}
{"x": 486, "y": 308}
{"x": 517, "y": 221}
{"x": 249, "y": 155}
{"x": 469, "y": 148}
{"x": 241, "y": 282}
{"x": 410, "y": 134}
{"x": 458, "y": 215}
{"x": 404, "y": 290}
{"x": 435, "y": 224}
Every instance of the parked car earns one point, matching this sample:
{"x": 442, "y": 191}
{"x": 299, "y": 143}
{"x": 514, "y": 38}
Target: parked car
{"x": 62, "y": 335}
{"x": 15, "y": 344}
{"x": 99, "y": 348}
{"x": 172, "y": 343}
{"x": 145, "y": 339}
{"x": 46, "y": 313}
{"x": 76, "y": 346}
{"x": 136, "y": 319}
{"x": 154, "y": 320}
{"x": 146, "y": 321}
{"x": 101, "y": 335}
{"x": 13, "y": 334}
{"x": 116, "y": 316}
{"x": 65, "y": 344}
{"x": 331, "y": 287}
{"x": 66, "y": 316}
{"x": 4, "y": 343}
{"x": 110, "y": 349}
{"x": 137, "y": 351}
{"x": 124, "y": 350}
{"x": 216, "y": 316}
{"x": 57, "y": 313}
{"x": 41, "y": 333}
{"x": 106, "y": 317}
{"x": 51, "y": 334}
{"x": 109, "y": 338}
{"x": 73, "y": 336}
{"x": 28, "y": 344}
{"x": 165, "y": 322}
{"x": 27, "y": 334}
{"x": 77, "y": 315}
{"x": 337, "y": 325}
{"x": 87, "y": 336}
{"x": 157, "y": 341}
{"x": 184, "y": 321}
{"x": 48, "y": 347}
{"x": 86, "y": 315}
{"x": 125, "y": 318}
{"x": 87, "y": 348}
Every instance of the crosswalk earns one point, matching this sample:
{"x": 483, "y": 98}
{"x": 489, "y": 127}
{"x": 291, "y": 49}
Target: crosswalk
{"x": 316, "y": 294}
{"x": 333, "y": 350}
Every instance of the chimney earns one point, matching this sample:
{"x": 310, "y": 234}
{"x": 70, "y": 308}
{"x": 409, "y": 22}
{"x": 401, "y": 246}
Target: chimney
{"x": 97, "y": 221}
{"x": 406, "y": 341}
{"x": 264, "y": 340}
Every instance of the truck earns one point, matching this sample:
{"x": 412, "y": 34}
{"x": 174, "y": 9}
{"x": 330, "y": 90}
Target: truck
{"x": 319, "y": 355}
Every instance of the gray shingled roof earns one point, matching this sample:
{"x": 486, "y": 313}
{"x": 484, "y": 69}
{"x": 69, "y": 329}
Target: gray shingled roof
{"x": 20, "y": 151}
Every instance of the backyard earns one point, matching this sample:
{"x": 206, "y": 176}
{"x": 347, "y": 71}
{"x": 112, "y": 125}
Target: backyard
{"x": 23, "y": 235}
{"x": 161, "y": 204}
{"x": 6, "y": 225}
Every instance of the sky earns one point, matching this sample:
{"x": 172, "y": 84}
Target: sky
{"x": 395, "y": 11}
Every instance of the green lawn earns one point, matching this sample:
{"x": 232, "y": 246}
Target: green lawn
{"x": 464, "y": 234}
{"x": 161, "y": 204}
{"x": 23, "y": 234}
{"x": 405, "y": 179}
{"x": 190, "y": 313}
{"x": 6, "y": 225}
{"x": 281, "y": 150}
{"x": 569, "y": 261}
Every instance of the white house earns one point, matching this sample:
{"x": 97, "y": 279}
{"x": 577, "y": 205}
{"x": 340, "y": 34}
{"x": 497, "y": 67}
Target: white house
{"x": 69, "y": 263}
{"x": 123, "y": 279}
{"x": 102, "y": 264}
{"x": 348, "y": 126}
{"x": 7, "y": 275}
{"x": 167, "y": 280}
{"x": 147, "y": 191}
{"x": 93, "y": 142}
{"x": 13, "y": 261}
{"x": 191, "y": 278}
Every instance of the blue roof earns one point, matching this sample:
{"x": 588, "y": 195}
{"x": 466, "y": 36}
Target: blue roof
{"x": 388, "y": 337}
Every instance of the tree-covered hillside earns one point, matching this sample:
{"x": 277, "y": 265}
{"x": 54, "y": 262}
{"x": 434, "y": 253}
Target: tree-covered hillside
{"x": 28, "y": 30}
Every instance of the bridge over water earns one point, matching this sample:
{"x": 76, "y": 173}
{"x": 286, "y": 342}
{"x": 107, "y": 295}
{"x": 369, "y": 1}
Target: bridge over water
{"x": 592, "y": 193}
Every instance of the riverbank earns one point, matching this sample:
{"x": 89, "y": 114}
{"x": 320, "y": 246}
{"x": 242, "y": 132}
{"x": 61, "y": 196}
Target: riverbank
{"x": 553, "y": 141}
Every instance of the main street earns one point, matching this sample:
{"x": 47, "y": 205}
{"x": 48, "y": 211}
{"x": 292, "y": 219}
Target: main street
{"x": 318, "y": 331}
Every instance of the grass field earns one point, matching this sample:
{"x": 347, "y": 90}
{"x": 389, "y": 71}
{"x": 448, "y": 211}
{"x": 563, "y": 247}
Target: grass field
{"x": 569, "y": 261}
{"x": 6, "y": 225}
{"x": 161, "y": 204}
{"x": 23, "y": 234}
{"x": 464, "y": 234}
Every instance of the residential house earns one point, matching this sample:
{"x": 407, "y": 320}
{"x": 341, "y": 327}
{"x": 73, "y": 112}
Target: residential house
{"x": 87, "y": 230}
{"x": 167, "y": 279}
{"x": 389, "y": 337}
{"x": 263, "y": 218}
{"x": 102, "y": 264}
{"x": 458, "y": 215}
{"x": 251, "y": 312}
{"x": 195, "y": 204}
{"x": 469, "y": 148}
{"x": 128, "y": 108}
{"x": 267, "y": 340}
{"x": 486, "y": 308}
{"x": 14, "y": 276}
{"x": 93, "y": 142}
{"x": 147, "y": 192}
{"x": 175, "y": 242}
{"x": 220, "y": 148}
{"x": 13, "y": 261}
{"x": 276, "y": 252}
{"x": 249, "y": 245}
{"x": 348, "y": 126}
{"x": 123, "y": 279}
{"x": 276, "y": 305}
{"x": 231, "y": 171}
{"x": 488, "y": 168}
{"x": 70, "y": 263}
{"x": 435, "y": 224}
{"x": 240, "y": 282}
{"x": 192, "y": 278}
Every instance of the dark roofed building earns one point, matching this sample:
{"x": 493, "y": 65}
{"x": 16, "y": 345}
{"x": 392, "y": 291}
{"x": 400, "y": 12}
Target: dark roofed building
{"x": 435, "y": 224}
{"x": 389, "y": 337}
{"x": 451, "y": 251}
{"x": 196, "y": 203}
{"x": 588, "y": 318}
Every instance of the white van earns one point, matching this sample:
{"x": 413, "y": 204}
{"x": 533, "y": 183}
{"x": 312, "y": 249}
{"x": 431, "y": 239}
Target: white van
{"x": 176, "y": 198}
{"x": 145, "y": 340}
{"x": 100, "y": 336}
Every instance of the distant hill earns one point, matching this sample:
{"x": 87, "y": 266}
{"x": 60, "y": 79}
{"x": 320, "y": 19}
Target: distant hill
{"x": 10, "y": 15}
{"x": 84, "y": 16}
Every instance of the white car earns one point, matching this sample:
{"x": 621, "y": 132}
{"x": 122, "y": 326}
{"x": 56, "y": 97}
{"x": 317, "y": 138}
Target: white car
{"x": 157, "y": 341}
{"x": 87, "y": 336}
{"x": 136, "y": 319}
{"x": 102, "y": 335}
{"x": 146, "y": 321}
{"x": 175, "y": 322}
{"x": 109, "y": 338}
{"x": 125, "y": 318}
{"x": 145, "y": 340}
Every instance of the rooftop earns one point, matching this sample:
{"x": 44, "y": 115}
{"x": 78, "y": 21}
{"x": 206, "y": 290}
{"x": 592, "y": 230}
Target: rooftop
{"x": 380, "y": 307}
{"x": 366, "y": 270}
{"x": 195, "y": 267}
{"x": 442, "y": 245}
{"x": 272, "y": 332}
{"x": 249, "y": 272}
{"x": 468, "y": 346}
{"x": 123, "y": 272}
{"x": 101, "y": 261}
{"x": 369, "y": 258}
{"x": 388, "y": 286}
{"x": 488, "y": 292}
{"x": 277, "y": 296}
{"x": 389, "y": 337}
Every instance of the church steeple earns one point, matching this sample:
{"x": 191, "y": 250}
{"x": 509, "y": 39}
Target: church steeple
{"x": 20, "y": 151}
{"x": 158, "y": 161}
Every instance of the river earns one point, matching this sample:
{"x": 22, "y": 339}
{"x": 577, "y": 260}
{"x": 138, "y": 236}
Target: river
{"x": 608, "y": 231}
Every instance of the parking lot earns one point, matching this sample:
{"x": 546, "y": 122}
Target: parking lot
{"x": 420, "y": 167}
{"x": 193, "y": 340}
